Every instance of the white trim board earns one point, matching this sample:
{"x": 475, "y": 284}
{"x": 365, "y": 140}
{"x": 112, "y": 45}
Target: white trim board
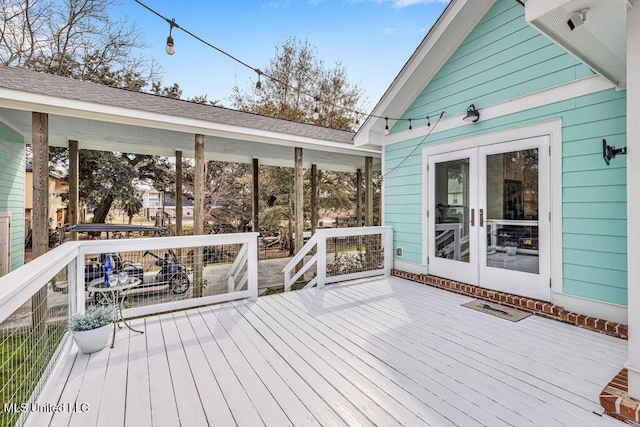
{"x": 409, "y": 267}
{"x": 592, "y": 308}
{"x": 88, "y": 110}
{"x": 585, "y": 86}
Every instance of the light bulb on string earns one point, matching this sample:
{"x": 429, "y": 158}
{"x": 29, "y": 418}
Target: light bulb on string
{"x": 316, "y": 113}
{"x": 258, "y": 89}
{"x": 410, "y": 127}
{"x": 170, "y": 46}
{"x": 386, "y": 125}
{"x": 428, "y": 121}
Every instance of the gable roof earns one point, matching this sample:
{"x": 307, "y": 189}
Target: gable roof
{"x": 67, "y": 88}
{"x": 445, "y": 36}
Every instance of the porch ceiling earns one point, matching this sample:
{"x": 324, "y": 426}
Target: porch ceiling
{"x": 112, "y": 136}
{"x": 111, "y": 119}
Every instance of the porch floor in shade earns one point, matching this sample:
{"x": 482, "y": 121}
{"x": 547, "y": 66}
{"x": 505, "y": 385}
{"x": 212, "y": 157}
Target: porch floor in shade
{"x": 379, "y": 352}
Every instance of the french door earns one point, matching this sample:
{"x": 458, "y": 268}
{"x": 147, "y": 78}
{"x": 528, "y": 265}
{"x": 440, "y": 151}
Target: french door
{"x": 488, "y": 216}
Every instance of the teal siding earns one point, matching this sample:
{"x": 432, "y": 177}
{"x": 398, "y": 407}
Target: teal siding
{"x": 502, "y": 58}
{"x": 12, "y": 164}
{"x": 502, "y": 50}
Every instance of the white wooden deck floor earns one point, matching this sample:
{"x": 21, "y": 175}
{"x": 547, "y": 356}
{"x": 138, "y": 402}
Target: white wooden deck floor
{"x": 383, "y": 352}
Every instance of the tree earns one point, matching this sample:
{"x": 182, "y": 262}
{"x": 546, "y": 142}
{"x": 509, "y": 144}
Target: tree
{"x": 302, "y": 83}
{"x": 74, "y": 38}
{"x": 131, "y": 205}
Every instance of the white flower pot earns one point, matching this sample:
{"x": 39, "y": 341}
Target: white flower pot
{"x": 93, "y": 340}
{"x": 511, "y": 250}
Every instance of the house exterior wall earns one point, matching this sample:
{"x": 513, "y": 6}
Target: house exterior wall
{"x": 500, "y": 60}
{"x": 12, "y": 161}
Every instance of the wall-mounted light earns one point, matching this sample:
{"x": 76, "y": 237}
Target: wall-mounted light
{"x": 473, "y": 115}
{"x": 609, "y": 152}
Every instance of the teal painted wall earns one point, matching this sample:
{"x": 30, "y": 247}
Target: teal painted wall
{"x": 12, "y": 164}
{"x": 593, "y": 195}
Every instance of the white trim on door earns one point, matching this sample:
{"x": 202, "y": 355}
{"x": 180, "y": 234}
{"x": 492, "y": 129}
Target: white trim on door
{"x": 553, "y": 130}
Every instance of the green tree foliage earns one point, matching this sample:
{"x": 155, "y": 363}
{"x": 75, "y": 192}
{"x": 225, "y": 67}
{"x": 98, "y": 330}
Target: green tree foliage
{"x": 297, "y": 70}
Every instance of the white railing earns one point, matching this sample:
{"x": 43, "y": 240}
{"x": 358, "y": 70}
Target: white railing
{"x": 248, "y": 240}
{"x": 358, "y": 242}
{"x": 26, "y": 323}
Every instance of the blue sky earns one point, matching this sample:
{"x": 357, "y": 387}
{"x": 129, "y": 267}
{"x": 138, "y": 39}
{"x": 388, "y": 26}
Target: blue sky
{"x": 372, "y": 38}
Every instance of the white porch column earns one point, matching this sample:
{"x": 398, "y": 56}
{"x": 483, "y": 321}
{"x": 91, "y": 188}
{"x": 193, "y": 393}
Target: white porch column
{"x": 633, "y": 197}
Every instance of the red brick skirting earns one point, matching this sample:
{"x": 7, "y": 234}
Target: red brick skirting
{"x": 614, "y": 398}
{"x": 616, "y": 401}
{"x": 538, "y": 307}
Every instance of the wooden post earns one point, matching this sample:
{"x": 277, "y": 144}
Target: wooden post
{"x": 254, "y": 197}
{"x": 40, "y": 212}
{"x": 368, "y": 190}
{"x": 74, "y": 179}
{"x": 178, "y": 193}
{"x": 314, "y": 199}
{"x": 198, "y": 214}
{"x": 359, "y": 198}
{"x": 298, "y": 200}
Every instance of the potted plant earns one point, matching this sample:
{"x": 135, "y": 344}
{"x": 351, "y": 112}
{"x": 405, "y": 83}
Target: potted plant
{"x": 91, "y": 330}
{"x": 511, "y": 248}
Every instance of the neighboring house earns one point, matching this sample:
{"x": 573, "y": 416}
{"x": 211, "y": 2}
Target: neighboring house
{"x": 530, "y": 172}
{"x": 152, "y": 204}
{"x": 57, "y": 208}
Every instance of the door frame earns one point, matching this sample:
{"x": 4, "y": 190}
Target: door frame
{"x": 466, "y": 272}
{"x": 551, "y": 129}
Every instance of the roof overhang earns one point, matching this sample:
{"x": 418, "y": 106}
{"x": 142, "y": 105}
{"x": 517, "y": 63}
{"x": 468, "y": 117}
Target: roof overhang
{"x": 452, "y": 27}
{"x": 99, "y": 126}
{"x": 600, "y": 41}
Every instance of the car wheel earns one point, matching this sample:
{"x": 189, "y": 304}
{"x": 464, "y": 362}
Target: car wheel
{"x": 180, "y": 283}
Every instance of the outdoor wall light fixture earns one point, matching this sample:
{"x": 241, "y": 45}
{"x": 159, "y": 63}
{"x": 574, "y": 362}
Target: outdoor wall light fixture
{"x": 473, "y": 115}
{"x": 170, "y": 49}
{"x": 609, "y": 152}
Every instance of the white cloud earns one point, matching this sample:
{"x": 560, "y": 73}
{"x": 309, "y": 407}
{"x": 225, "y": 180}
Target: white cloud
{"x": 406, "y": 3}
{"x": 390, "y": 30}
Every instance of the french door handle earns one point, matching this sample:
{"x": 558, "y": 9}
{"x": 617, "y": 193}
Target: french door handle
{"x": 473, "y": 217}
{"x": 481, "y": 217}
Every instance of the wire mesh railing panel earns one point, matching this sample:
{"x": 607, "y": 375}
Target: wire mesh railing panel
{"x": 29, "y": 340}
{"x": 354, "y": 254}
{"x": 161, "y": 275}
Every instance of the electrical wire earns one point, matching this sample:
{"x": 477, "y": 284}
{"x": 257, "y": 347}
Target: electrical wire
{"x": 173, "y": 24}
{"x": 424, "y": 138}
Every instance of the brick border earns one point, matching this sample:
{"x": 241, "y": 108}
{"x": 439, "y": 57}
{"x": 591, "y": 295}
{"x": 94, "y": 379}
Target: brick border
{"x": 616, "y": 401}
{"x": 541, "y": 308}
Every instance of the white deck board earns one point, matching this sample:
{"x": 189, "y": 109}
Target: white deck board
{"x": 378, "y": 352}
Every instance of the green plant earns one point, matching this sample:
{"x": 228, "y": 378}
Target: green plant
{"x": 95, "y": 317}
{"x": 511, "y": 244}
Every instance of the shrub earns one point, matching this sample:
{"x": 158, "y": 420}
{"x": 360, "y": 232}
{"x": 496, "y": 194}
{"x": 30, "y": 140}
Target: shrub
{"x": 93, "y": 318}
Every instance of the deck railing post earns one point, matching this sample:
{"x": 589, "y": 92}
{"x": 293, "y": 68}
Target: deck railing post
{"x": 388, "y": 251}
{"x": 78, "y": 285}
{"x": 72, "y": 286}
{"x": 321, "y": 268}
{"x": 252, "y": 267}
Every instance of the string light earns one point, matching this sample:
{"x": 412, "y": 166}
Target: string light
{"x": 316, "y": 113}
{"x": 428, "y": 122}
{"x": 386, "y": 125}
{"x": 170, "y": 49}
{"x": 258, "y": 88}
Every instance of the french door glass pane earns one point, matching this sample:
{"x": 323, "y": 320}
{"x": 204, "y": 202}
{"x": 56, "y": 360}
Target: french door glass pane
{"x": 452, "y": 210}
{"x": 512, "y": 211}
